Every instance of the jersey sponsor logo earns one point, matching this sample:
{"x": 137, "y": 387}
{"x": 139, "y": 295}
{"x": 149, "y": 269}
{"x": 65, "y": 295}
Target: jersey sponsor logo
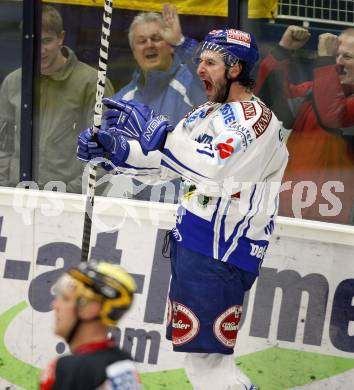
{"x": 226, "y": 144}
{"x": 243, "y": 132}
{"x": 225, "y": 148}
{"x": 206, "y": 104}
{"x": 206, "y": 113}
{"x": 202, "y": 113}
{"x": 249, "y": 110}
{"x": 227, "y": 324}
{"x": 239, "y": 37}
{"x": 185, "y": 324}
{"x": 227, "y": 113}
{"x": 263, "y": 121}
{"x": 258, "y": 251}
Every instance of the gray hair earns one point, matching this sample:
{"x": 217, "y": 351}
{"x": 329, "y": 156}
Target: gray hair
{"x": 143, "y": 17}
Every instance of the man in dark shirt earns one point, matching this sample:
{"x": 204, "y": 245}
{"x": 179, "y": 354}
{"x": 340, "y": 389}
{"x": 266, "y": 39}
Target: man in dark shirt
{"x": 89, "y": 298}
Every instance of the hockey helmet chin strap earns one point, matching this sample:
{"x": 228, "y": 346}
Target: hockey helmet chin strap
{"x": 228, "y": 87}
{"x": 228, "y": 84}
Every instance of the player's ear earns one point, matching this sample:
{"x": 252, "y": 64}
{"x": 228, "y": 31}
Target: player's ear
{"x": 89, "y": 310}
{"x": 235, "y": 70}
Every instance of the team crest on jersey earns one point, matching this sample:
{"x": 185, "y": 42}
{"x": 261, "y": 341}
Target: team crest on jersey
{"x": 185, "y": 324}
{"x": 227, "y": 324}
{"x": 239, "y": 37}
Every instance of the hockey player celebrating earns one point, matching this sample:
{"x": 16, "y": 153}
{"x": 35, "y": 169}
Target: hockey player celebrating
{"x": 89, "y": 298}
{"x": 231, "y": 154}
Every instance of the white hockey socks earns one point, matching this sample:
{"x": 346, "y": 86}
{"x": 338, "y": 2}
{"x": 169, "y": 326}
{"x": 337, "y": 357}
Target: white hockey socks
{"x": 210, "y": 371}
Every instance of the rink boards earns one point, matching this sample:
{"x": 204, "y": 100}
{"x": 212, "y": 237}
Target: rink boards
{"x": 298, "y": 322}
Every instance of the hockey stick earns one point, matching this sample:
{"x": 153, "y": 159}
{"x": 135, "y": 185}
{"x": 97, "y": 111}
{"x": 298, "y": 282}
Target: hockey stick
{"x": 101, "y": 81}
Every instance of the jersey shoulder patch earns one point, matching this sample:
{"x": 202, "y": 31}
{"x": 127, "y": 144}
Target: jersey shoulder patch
{"x": 262, "y": 120}
{"x": 248, "y": 109}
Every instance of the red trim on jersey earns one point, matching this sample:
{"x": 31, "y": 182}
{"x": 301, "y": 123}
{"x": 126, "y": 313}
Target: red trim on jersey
{"x": 91, "y": 347}
{"x": 47, "y": 376}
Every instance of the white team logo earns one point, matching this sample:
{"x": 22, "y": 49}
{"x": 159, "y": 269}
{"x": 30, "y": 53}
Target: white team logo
{"x": 227, "y": 324}
{"x": 185, "y": 324}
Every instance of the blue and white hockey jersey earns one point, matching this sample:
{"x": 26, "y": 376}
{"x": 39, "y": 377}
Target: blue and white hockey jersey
{"x": 232, "y": 157}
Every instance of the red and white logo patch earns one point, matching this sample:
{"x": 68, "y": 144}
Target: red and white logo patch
{"x": 185, "y": 324}
{"x": 239, "y": 37}
{"x": 226, "y": 149}
{"x": 227, "y": 324}
{"x": 262, "y": 123}
{"x": 249, "y": 110}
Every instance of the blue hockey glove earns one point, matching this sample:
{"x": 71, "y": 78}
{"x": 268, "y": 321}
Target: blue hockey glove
{"x": 154, "y": 135}
{"x": 128, "y": 118}
{"x": 104, "y": 142}
{"x": 88, "y": 147}
{"x": 137, "y": 121}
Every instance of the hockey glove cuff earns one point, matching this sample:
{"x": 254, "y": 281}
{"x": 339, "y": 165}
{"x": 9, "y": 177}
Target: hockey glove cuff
{"x": 154, "y": 134}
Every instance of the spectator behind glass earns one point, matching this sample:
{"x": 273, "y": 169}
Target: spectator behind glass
{"x": 67, "y": 99}
{"x": 166, "y": 80}
{"x": 318, "y": 181}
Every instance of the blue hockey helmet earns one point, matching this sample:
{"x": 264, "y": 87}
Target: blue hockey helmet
{"x": 233, "y": 45}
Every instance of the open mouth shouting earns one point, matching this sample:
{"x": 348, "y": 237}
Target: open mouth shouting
{"x": 209, "y": 87}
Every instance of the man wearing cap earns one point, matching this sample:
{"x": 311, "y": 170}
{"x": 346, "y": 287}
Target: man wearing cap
{"x": 89, "y": 298}
{"x": 231, "y": 155}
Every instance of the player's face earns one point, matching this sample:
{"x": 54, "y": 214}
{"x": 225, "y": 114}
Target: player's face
{"x": 345, "y": 58}
{"x": 211, "y": 70}
{"x": 51, "y": 55}
{"x": 149, "y": 49}
{"x": 65, "y": 306}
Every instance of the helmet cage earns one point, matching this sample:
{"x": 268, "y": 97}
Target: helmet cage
{"x": 229, "y": 58}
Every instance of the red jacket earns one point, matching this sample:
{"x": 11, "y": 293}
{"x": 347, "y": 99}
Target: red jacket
{"x": 320, "y": 151}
